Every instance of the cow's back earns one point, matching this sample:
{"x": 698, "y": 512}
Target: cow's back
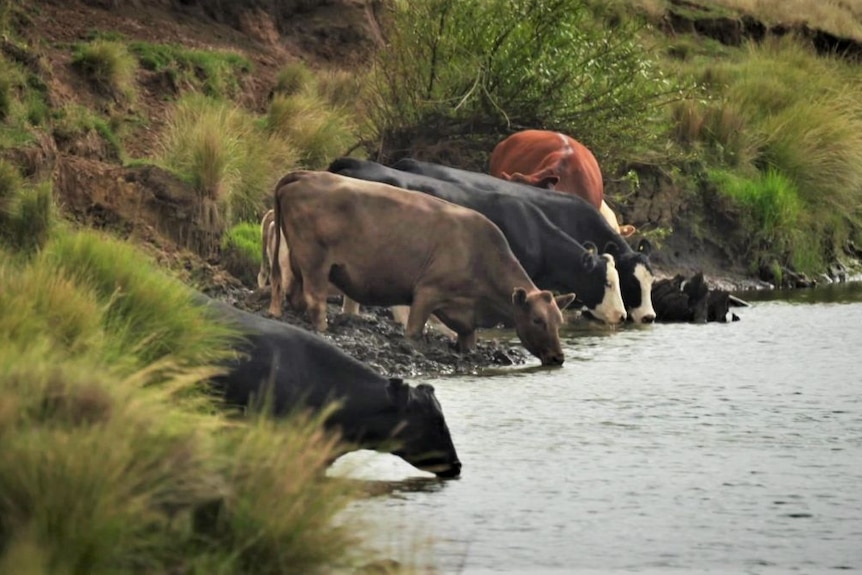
{"x": 532, "y": 151}
{"x": 381, "y": 240}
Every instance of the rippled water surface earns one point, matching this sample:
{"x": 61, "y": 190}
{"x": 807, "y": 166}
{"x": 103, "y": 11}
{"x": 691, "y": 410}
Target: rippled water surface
{"x": 727, "y": 447}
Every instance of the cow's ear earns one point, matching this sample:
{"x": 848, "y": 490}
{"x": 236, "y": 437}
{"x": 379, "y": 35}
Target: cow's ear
{"x": 645, "y": 247}
{"x": 519, "y": 297}
{"x": 589, "y": 260}
{"x": 399, "y": 393}
{"x": 547, "y": 182}
{"x": 563, "y": 301}
{"x": 612, "y": 248}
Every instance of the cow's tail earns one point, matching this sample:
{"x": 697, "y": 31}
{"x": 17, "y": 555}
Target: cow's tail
{"x": 277, "y": 290}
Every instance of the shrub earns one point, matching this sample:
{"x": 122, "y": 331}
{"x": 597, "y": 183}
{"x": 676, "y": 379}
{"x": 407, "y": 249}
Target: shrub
{"x": 109, "y": 66}
{"x": 73, "y": 122}
{"x": 483, "y": 68}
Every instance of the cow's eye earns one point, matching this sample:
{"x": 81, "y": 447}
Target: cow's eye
{"x": 538, "y": 321}
{"x": 608, "y": 285}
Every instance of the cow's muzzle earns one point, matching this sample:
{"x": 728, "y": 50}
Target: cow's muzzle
{"x": 553, "y": 359}
{"x": 444, "y": 470}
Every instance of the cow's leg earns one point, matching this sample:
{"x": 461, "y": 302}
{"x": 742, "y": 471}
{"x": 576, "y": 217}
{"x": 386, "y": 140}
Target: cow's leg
{"x": 349, "y": 306}
{"x": 467, "y": 341}
{"x": 420, "y": 311}
{"x": 315, "y": 288}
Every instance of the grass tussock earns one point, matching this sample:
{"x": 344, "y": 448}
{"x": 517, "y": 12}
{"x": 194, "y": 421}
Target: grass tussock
{"x": 74, "y": 122}
{"x": 113, "y": 461}
{"x": 319, "y": 131}
{"x": 229, "y": 160}
{"x": 22, "y": 105}
{"x": 109, "y": 66}
{"x": 150, "y": 315}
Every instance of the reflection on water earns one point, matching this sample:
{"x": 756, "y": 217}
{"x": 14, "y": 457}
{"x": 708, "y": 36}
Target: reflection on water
{"x": 729, "y": 447}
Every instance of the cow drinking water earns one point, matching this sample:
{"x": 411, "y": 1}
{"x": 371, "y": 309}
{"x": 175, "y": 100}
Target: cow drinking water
{"x": 574, "y": 216}
{"x": 385, "y": 246}
{"x": 292, "y": 369}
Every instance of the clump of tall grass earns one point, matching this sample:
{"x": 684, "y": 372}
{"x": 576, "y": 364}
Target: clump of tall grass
{"x": 110, "y": 465}
{"x": 109, "y": 66}
{"x": 22, "y": 104}
{"x": 241, "y": 252}
{"x": 150, "y": 315}
{"x": 27, "y": 212}
{"x": 230, "y": 162}
{"x": 294, "y": 78}
{"x": 319, "y": 131}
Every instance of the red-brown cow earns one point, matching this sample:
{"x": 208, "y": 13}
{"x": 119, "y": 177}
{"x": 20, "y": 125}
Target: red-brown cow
{"x": 555, "y": 161}
{"x": 382, "y": 245}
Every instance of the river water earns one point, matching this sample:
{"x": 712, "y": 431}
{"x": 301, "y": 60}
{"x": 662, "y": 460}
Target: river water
{"x": 733, "y": 448}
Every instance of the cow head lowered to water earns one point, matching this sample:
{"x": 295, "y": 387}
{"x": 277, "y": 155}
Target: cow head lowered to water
{"x": 294, "y": 369}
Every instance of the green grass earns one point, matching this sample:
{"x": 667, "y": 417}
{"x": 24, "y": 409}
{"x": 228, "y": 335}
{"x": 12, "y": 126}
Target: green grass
{"x": 74, "y": 121}
{"x": 778, "y": 109}
{"x": 27, "y": 213}
{"x": 241, "y": 252}
{"x": 113, "y": 459}
{"x": 215, "y": 73}
{"x": 109, "y": 66}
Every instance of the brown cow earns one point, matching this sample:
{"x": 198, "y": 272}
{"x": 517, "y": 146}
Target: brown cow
{"x": 555, "y": 161}
{"x": 385, "y": 246}
{"x": 267, "y": 232}
{"x": 268, "y": 251}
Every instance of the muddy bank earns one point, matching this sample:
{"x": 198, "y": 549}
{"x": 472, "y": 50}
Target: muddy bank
{"x": 377, "y": 340}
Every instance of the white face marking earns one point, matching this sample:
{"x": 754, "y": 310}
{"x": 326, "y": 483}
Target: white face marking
{"x": 611, "y": 310}
{"x": 645, "y": 309}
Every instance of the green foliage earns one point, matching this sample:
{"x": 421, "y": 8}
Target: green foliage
{"x": 109, "y": 66}
{"x": 490, "y": 66}
{"x": 214, "y": 73}
{"x": 27, "y": 213}
{"x": 241, "y": 252}
{"x": 221, "y": 150}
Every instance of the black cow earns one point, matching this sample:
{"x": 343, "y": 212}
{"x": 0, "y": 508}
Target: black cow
{"x": 574, "y": 216}
{"x": 552, "y": 259}
{"x": 681, "y": 299}
{"x": 296, "y": 368}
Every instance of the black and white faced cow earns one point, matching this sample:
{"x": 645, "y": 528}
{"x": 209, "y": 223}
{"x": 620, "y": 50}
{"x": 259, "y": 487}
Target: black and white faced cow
{"x": 299, "y": 369}
{"x": 552, "y": 259}
{"x": 574, "y": 216}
